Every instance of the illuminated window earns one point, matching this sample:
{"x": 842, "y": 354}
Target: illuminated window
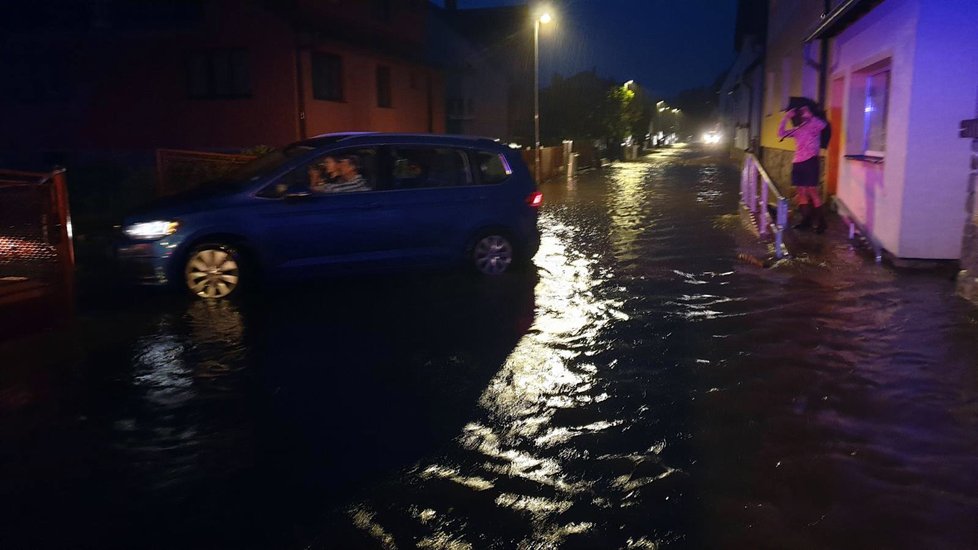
{"x": 869, "y": 98}
{"x": 874, "y": 111}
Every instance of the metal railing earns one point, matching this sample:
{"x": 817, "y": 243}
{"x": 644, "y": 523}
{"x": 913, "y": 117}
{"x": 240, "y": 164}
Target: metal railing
{"x": 756, "y": 192}
{"x": 37, "y": 258}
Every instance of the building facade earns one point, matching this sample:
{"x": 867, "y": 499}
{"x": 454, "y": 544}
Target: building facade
{"x": 212, "y": 74}
{"x": 897, "y": 78}
{"x": 490, "y": 76}
{"x": 476, "y": 90}
{"x": 904, "y": 73}
{"x": 741, "y": 97}
{"x": 792, "y": 67}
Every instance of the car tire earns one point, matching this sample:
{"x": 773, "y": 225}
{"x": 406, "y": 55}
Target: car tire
{"x": 213, "y": 271}
{"x": 492, "y": 253}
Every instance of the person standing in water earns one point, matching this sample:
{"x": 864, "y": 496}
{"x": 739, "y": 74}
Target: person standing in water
{"x": 807, "y": 132}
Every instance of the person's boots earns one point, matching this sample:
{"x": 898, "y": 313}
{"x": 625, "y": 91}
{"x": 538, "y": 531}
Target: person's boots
{"x": 820, "y": 223}
{"x": 806, "y": 217}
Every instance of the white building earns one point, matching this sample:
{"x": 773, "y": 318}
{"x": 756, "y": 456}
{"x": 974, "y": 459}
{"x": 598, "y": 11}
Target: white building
{"x": 902, "y": 76}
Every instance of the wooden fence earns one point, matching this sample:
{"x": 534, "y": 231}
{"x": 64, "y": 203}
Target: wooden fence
{"x": 178, "y": 170}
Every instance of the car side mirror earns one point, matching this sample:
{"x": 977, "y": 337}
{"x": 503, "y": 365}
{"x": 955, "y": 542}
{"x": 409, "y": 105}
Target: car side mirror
{"x": 297, "y": 195}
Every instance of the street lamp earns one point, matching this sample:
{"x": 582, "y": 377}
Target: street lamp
{"x": 543, "y": 18}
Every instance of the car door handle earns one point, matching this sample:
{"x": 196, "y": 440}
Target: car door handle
{"x": 369, "y": 206}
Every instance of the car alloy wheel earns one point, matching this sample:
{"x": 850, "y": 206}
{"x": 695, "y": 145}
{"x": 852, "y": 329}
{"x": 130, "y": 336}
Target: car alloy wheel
{"x": 212, "y": 271}
{"x": 493, "y": 254}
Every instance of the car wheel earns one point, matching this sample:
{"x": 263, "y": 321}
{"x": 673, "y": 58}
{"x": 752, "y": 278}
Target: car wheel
{"x": 492, "y": 254}
{"x": 213, "y": 271}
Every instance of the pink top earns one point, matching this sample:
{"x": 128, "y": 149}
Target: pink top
{"x": 808, "y": 137}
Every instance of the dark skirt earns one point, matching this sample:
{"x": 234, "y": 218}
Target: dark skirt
{"x": 805, "y": 173}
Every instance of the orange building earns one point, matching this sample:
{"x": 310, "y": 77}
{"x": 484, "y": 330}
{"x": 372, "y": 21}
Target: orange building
{"x": 212, "y": 74}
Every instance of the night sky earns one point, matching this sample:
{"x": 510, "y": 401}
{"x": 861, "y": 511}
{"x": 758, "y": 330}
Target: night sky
{"x": 664, "y": 45}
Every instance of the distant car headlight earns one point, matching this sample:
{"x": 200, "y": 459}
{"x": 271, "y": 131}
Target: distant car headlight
{"x": 711, "y": 137}
{"x": 149, "y": 231}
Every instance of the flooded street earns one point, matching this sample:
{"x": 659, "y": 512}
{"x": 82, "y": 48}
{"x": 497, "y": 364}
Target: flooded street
{"x": 641, "y": 388}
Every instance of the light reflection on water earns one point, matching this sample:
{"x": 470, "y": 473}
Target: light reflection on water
{"x": 543, "y": 410}
{"x": 664, "y": 394}
{"x": 644, "y": 390}
{"x": 188, "y": 359}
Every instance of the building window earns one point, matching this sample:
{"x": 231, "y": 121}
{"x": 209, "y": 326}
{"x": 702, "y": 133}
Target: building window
{"x": 382, "y": 10}
{"x": 869, "y": 98}
{"x": 37, "y": 77}
{"x": 874, "y": 113}
{"x": 384, "y": 86}
{"x": 327, "y": 76}
{"x": 219, "y": 74}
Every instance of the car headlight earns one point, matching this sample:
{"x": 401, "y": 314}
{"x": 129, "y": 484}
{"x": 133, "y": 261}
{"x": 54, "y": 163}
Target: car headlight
{"x": 149, "y": 231}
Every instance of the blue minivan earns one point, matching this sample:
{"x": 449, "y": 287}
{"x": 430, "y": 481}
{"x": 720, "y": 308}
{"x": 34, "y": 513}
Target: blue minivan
{"x": 340, "y": 203}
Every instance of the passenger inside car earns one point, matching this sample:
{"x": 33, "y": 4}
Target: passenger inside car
{"x": 323, "y": 174}
{"x": 350, "y": 179}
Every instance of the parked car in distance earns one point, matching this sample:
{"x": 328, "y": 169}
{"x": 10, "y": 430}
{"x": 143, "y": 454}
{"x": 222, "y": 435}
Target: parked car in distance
{"x": 340, "y": 203}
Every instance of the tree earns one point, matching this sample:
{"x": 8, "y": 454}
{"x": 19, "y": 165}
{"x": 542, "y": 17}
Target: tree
{"x": 587, "y": 107}
{"x": 577, "y": 107}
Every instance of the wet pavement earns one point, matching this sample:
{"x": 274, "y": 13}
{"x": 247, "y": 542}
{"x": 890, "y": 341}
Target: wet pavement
{"x": 641, "y": 388}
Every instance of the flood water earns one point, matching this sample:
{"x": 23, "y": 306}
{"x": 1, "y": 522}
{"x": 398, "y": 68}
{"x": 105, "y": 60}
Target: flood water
{"x": 641, "y": 388}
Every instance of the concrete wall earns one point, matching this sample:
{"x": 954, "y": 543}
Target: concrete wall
{"x": 874, "y": 193}
{"x": 945, "y": 91}
{"x": 410, "y": 110}
{"x": 913, "y": 203}
{"x": 787, "y": 72}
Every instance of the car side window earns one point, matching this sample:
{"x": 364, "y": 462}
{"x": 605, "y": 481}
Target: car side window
{"x": 342, "y": 171}
{"x": 493, "y": 167}
{"x": 429, "y": 167}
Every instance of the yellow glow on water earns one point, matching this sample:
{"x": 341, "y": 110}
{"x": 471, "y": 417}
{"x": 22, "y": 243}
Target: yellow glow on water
{"x": 627, "y": 207}
{"x": 363, "y": 519}
{"x": 452, "y": 474}
{"x": 537, "y": 506}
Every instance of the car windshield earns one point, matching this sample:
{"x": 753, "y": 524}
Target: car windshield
{"x": 265, "y": 165}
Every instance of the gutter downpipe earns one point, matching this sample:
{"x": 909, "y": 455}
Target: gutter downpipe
{"x": 300, "y": 92}
{"x": 823, "y": 68}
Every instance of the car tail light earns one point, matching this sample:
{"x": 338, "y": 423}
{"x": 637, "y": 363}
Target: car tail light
{"x": 535, "y": 199}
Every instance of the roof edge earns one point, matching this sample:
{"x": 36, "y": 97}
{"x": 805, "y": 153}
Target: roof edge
{"x": 839, "y": 18}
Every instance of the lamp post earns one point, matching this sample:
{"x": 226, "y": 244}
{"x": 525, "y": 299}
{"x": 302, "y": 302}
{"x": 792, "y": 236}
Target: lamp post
{"x": 543, "y": 18}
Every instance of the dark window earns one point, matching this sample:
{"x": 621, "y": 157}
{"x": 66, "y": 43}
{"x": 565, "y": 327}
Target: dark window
{"x": 493, "y": 168}
{"x": 425, "y": 167}
{"x": 219, "y": 74}
{"x": 382, "y": 10}
{"x": 327, "y": 76}
{"x": 383, "y": 86}
{"x": 37, "y": 77}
